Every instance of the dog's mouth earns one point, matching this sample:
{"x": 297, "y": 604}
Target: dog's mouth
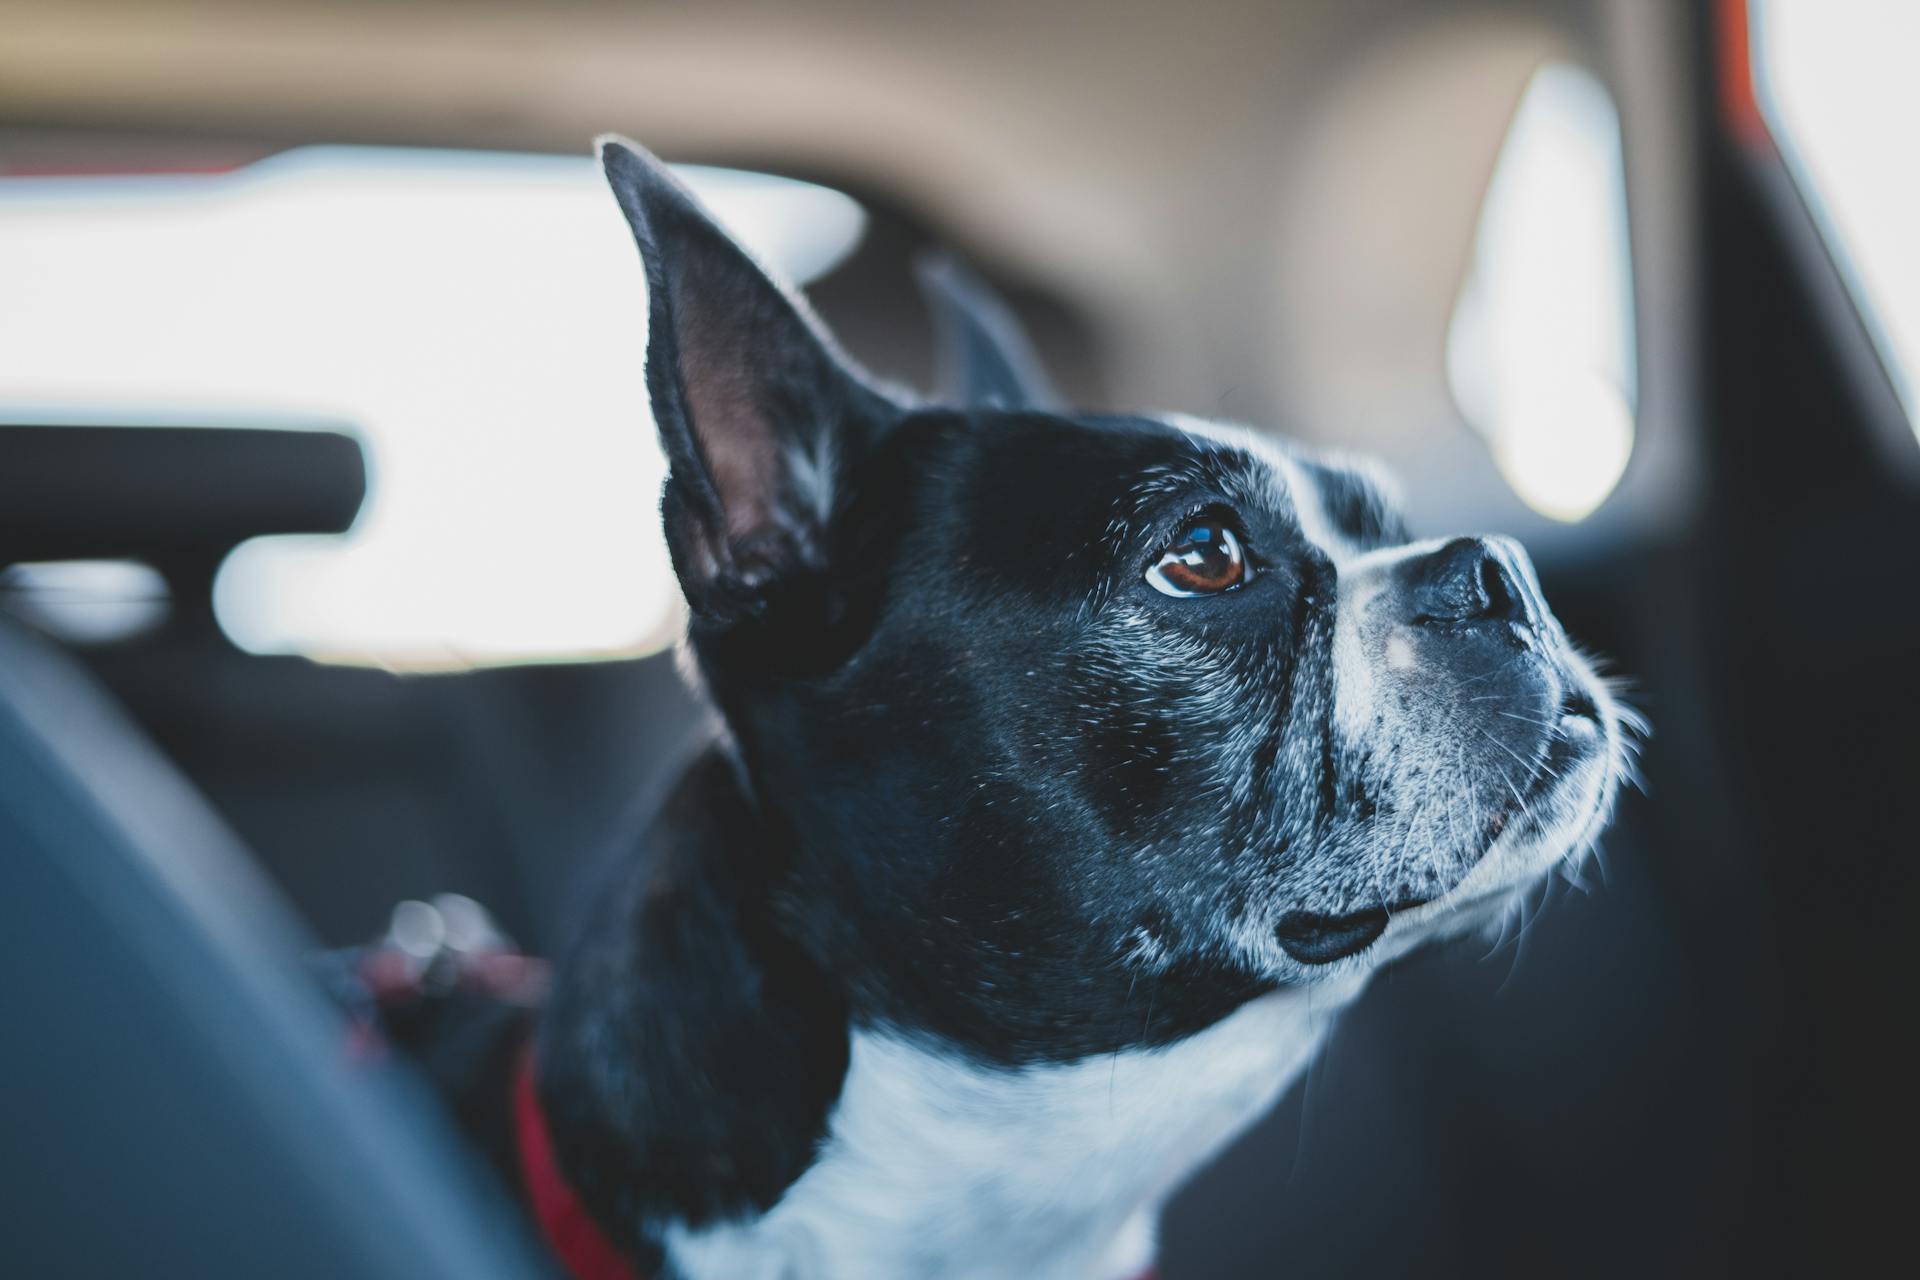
{"x": 1576, "y": 732}
{"x": 1579, "y": 730}
{"x": 1311, "y": 938}
{"x": 1314, "y": 938}
{"x": 1577, "y": 704}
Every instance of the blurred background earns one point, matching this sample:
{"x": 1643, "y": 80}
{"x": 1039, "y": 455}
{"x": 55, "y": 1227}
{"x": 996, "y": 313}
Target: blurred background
{"x": 330, "y": 572}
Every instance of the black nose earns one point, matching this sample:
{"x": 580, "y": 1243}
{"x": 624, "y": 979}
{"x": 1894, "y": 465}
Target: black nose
{"x": 1473, "y": 580}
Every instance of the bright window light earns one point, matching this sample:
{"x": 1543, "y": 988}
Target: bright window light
{"x": 480, "y": 318}
{"x": 1540, "y": 351}
{"x": 1836, "y": 83}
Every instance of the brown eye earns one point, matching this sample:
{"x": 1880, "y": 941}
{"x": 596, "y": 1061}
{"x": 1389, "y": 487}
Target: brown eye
{"x": 1204, "y": 560}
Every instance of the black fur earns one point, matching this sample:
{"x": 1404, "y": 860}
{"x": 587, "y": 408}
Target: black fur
{"x": 690, "y": 1049}
{"x": 981, "y": 783}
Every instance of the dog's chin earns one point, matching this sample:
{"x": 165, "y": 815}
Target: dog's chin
{"x": 1553, "y": 823}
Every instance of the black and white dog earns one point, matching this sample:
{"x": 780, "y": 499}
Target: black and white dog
{"x": 1075, "y": 769}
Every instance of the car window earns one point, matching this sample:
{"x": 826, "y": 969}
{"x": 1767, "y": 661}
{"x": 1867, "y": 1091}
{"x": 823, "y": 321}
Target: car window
{"x": 1540, "y": 351}
{"x": 1835, "y": 84}
{"x": 478, "y": 318}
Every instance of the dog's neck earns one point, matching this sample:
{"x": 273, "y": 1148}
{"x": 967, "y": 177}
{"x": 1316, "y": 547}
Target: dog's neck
{"x": 690, "y": 1052}
{"x": 935, "y": 1166}
{"x": 710, "y": 1094}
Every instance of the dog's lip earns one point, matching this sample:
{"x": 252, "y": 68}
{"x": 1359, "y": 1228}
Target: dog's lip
{"x": 1578, "y": 729}
{"x": 1578, "y": 703}
{"x": 1320, "y": 939}
{"x": 1312, "y": 937}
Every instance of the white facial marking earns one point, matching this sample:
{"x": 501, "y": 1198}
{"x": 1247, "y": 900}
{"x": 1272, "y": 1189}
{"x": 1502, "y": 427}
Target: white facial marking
{"x": 1380, "y": 688}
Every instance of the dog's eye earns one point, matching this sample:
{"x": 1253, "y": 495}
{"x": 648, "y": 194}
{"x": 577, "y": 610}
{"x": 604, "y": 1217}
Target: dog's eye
{"x": 1203, "y": 560}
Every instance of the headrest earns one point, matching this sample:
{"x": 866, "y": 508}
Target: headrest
{"x": 153, "y": 492}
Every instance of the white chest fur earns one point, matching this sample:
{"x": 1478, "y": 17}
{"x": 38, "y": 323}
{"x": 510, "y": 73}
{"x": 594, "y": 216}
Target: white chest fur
{"x": 937, "y": 1167}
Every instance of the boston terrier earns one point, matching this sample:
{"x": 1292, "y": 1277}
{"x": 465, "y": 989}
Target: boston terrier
{"x": 1074, "y": 770}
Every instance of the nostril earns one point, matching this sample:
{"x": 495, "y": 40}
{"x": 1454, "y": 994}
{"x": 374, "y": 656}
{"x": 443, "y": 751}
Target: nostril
{"x": 1467, "y": 580}
{"x": 1500, "y": 594}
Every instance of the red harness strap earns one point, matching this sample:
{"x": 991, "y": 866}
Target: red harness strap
{"x": 389, "y": 978}
{"x": 576, "y": 1241}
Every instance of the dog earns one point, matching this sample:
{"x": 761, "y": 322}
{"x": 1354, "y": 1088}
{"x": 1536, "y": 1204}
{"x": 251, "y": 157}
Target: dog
{"x": 1075, "y": 768}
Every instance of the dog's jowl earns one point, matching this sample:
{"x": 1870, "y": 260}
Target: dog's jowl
{"x": 1075, "y": 770}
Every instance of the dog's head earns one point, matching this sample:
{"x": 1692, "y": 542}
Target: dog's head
{"x": 1054, "y": 711}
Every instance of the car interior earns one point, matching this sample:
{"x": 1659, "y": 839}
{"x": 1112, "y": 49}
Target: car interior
{"x": 1342, "y": 222}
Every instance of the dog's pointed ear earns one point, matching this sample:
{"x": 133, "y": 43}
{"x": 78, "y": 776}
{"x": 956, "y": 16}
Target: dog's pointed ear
{"x": 985, "y": 357}
{"x": 758, "y": 411}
